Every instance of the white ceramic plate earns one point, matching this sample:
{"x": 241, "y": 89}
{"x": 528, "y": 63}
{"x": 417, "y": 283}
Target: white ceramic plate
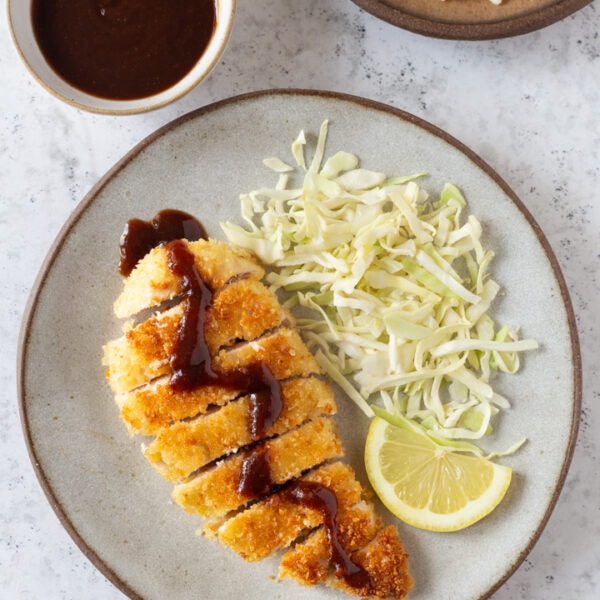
{"x": 111, "y": 501}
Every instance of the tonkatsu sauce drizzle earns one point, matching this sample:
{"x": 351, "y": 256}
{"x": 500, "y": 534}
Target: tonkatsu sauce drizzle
{"x": 265, "y": 407}
{"x": 255, "y": 479}
{"x": 190, "y": 361}
{"x": 321, "y": 498}
{"x": 139, "y": 237}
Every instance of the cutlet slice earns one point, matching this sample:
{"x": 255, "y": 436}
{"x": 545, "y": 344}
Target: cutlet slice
{"x": 221, "y": 489}
{"x": 375, "y": 552}
{"x": 382, "y": 559}
{"x": 386, "y": 564}
{"x": 241, "y": 311}
{"x": 186, "y": 446}
{"x": 275, "y": 522}
{"x": 147, "y": 410}
{"x": 152, "y": 281}
{"x": 139, "y": 356}
{"x": 308, "y": 562}
{"x": 283, "y": 352}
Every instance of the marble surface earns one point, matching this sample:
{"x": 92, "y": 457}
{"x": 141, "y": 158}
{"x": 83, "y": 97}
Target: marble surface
{"x": 527, "y": 105}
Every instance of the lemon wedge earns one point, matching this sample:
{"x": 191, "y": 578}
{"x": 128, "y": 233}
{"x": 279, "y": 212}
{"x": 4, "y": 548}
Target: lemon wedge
{"x": 428, "y": 485}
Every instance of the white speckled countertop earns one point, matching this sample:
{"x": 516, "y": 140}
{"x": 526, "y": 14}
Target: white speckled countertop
{"x": 528, "y": 106}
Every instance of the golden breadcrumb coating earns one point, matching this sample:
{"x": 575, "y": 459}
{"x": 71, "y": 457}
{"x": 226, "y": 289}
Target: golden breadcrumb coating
{"x": 215, "y": 492}
{"x": 381, "y": 555}
{"x": 274, "y": 523}
{"x": 152, "y": 282}
{"x": 147, "y": 410}
{"x": 186, "y": 446}
{"x": 143, "y": 353}
{"x": 308, "y": 561}
{"x": 241, "y": 311}
{"x": 386, "y": 562}
{"x": 139, "y": 356}
{"x": 283, "y": 352}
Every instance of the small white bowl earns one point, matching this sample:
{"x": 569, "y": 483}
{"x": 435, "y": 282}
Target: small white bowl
{"x": 21, "y": 27}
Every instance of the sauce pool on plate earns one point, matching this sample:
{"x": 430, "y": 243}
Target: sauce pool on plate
{"x": 123, "y": 49}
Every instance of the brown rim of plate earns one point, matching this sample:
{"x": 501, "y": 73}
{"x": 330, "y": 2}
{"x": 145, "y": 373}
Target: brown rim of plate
{"x": 30, "y": 308}
{"x": 488, "y": 28}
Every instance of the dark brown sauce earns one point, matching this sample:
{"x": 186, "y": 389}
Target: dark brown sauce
{"x": 321, "y": 498}
{"x": 123, "y": 49}
{"x": 139, "y": 237}
{"x": 265, "y": 407}
{"x": 190, "y": 361}
{"x": 255, "y": 479}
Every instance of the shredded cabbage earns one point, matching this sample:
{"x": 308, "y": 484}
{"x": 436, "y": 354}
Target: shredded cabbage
{"x": 390, "y": 289}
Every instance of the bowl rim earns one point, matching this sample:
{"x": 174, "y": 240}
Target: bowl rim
{"x": 504, "y": 28}
{"x": 85, "y": 101}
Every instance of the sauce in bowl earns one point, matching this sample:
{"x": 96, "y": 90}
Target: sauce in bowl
{"x": 123, "y": 49}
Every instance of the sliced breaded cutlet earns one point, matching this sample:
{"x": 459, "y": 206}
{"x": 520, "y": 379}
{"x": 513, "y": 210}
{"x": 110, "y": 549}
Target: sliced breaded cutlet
{"x": 372, "y": 562}
{"x": 283, "y": 352}
{"x": 186, "y": 446}
{"x": 275, "y": 522}
{"x": 152, "y": 282}
{"x": 241, "y": 418}
{"x": 220, "y": 490}
{"x": 308, "y": 561}
{"x": 386, "y": 564}
{"x": 139, "y": 357}
{"x": 375, "y": 548}
{"x": 381, "y": 556}
{"x": 241, "y": 311}
{"x": 152, "y": 407}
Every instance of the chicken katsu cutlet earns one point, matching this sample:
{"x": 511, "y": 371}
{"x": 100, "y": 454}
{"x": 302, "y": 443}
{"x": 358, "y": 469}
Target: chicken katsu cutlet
{"x": 240, "y": 418}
